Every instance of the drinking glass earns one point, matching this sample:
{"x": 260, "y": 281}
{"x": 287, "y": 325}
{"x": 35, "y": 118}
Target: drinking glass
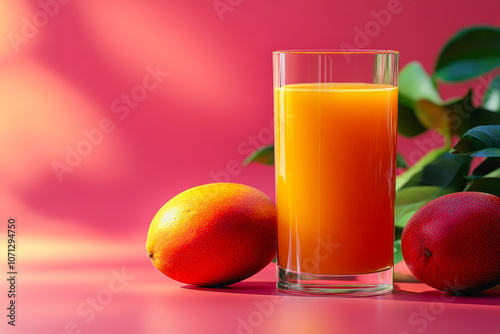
{"x": 335, "y": 159}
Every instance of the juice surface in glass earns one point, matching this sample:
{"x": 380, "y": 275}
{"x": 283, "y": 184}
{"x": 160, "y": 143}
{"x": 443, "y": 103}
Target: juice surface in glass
{"x": 335, "y": 168}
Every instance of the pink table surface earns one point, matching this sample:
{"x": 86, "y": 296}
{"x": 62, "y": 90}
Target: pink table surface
{"x": 136, "y": 298}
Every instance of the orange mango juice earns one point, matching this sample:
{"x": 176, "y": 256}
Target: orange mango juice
{"x": 335, "y": 174}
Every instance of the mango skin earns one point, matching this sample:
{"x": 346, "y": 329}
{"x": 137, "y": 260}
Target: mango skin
{"x": 453, "y": 243}
{"x": 214, "y": 234}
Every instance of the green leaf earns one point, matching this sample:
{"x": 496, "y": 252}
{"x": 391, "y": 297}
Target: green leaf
{"x": 455, "y": 116}
{"x": 409, "y": 200}
{"x": 432, "y": 116}
{"x": 415, "y": 85}
{"x": 408, "y": 123}
{"x": 487, "y": 166}
{"x": 398, "y": 232}
{"x": 482, "y": 116}
{"x": 490, "y": 185}
{"x": 495, "y": 174}
{"x": 487, "y": 152}
{"x": 480, "y": 141}
{"x": 404, "y": 178}
{"x": 468, "y": 54}
{"x": 462, "y": 115}
{"x": 263, "y": 155}
{"x": 398, "y": 255}
{"x": 447, "y": 171}
{"x": 458, "y": 114}
{"x": 491, "y": 99}
{"x": 417, "y": 100}
{"x": 400, "y": 161}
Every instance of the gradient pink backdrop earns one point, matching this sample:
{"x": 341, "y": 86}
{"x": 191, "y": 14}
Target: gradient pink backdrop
{"x": 201, "y": 120}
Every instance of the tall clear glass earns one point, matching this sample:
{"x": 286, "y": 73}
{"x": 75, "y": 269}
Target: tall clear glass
{"x": 335, "y": 153}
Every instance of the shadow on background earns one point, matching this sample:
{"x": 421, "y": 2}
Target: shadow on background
{"x": 418, "y": 292}
{"x": 411, "y": 292}
{"x": 251, "y": 288}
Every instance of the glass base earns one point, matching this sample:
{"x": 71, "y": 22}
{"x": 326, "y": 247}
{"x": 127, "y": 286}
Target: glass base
{"x": 372, "y": 284}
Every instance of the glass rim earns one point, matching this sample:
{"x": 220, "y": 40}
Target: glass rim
{"x": 335, "y": 51}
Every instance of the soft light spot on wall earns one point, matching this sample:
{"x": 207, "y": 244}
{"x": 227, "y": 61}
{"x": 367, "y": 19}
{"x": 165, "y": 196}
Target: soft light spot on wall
{"x": 45, "y": 120}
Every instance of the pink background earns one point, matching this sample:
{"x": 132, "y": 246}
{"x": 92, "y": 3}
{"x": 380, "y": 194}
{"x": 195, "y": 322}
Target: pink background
{"x": 195, "y": 125}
